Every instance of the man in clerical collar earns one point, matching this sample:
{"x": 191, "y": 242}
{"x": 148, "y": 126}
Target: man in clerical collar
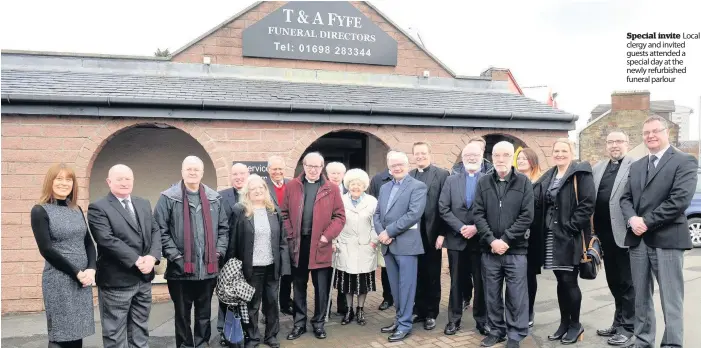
{"x": 610, "y": 177}
{"x": 433, "y": 229}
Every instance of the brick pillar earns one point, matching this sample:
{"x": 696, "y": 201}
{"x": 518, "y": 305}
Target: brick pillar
{"x": 630, "y": 100}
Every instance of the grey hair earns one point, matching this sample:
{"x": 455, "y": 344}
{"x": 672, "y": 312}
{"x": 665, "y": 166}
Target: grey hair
{"x": 336, "y": 164}
{"x": 398, "y": 154}
{"x": 313, "y": 154}
{"x": 356, "y": 174}
{"x": 509, "y": 146}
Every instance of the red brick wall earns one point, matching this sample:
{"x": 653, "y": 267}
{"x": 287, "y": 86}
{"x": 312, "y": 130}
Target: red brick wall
{"x": 31, "y": 144}
{"x": 224, "y": 47}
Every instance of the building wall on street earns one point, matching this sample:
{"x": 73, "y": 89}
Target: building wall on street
{"x": 31, "y": 144}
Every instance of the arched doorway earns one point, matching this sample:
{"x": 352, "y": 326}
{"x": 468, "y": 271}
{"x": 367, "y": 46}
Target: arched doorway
{"x": 491, "y": 140}
{"x": 352, "y": 148}
{"x": 155, "y": 153}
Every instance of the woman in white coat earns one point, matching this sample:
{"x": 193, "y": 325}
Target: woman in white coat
{"x": 356, "y": 259}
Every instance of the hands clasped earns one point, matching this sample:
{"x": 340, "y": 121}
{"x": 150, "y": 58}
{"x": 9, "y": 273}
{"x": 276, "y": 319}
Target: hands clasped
{"x": 638, "y": 225}
{"x": 384, "y": 238}
{"x": 468, "y": 231}
{"x": 499, "y": 247}
{"x": 87, "y": 277}
{"x": 145, "y": 263}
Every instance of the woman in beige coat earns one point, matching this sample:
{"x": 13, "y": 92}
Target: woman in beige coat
{"x": 356, "y": 260}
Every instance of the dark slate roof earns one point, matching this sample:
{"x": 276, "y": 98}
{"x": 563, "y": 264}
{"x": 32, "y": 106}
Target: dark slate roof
{"x": 77, "y": 84}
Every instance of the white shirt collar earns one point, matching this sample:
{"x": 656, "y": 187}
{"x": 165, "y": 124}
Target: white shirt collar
{"x": 121, "y": 200}
{"x": 661, "y": 152}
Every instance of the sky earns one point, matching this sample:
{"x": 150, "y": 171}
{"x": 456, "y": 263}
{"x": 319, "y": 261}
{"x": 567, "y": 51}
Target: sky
{"x": 576, "y": 47}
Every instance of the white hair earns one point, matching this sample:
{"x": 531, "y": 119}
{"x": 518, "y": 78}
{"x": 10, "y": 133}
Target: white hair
{"x": 398, "y": 154}
{"x": 504, "y": 144}
{"x": 195, "y": 159}
{"x": 313, "y": 154}
{"x": 356, "y": 174}
{"x": 338, "y": 165}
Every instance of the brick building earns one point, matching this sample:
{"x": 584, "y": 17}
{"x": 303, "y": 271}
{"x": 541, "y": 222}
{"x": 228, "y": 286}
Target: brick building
{"x": 627, "y": 112}
{"x": 267, "y": 81}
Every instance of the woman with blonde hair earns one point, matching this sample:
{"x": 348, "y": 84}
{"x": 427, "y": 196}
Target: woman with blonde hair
{"x": 356, "y": 245}
{"x": 260, "y": 242}
{"x": 564, "y": 200}
{"x": 527, "y": 163}
{"x": 62, "y": 236}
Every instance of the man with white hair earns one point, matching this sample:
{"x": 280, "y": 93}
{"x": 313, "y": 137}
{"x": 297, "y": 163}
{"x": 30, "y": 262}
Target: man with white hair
{"x": 195, "y": 234}
{"x": 313, "y": 215}
{"x": 503, "y": 214}
{"x": 400, "y": 206}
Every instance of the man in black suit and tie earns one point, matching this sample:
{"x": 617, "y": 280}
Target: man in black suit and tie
{"x": 432, "y": 228}
{"x": 237, "y": 178}
{"x": 462, "y": 242}
{"x": 659, "y": 190}
{"x": 128, "y": 246}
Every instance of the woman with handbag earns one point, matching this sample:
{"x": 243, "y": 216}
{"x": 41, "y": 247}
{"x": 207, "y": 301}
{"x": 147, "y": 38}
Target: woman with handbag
{"x": 566, "y": 196}
{"x": 528, "y": 164}
{"x": 261, "y": 245}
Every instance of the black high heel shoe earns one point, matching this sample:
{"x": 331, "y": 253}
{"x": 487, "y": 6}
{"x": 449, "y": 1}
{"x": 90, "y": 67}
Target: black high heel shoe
{"x": 348, "y": 317}
{"x": 560, "y": 333}
{"x": 574, "y": 334}
{"x": 360, "y": 316}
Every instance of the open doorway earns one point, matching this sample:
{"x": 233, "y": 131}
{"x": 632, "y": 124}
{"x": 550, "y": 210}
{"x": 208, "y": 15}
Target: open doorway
{"x": 352, "y": 148}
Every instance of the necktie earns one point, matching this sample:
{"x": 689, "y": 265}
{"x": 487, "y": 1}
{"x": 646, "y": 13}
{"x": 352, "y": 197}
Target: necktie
{"x": 127, "y": 206}
{"x": 651, "y": 167}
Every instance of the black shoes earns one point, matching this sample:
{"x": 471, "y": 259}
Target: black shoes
{"x": 360, "y": 316}
{"x": 222, "y": 341}
{"x": 619, "y": 340}
{"x": 430, "y": 324}
{"x": 389, "y": 329}
{"x": 320, "y": 333}
{"x": 273, "y": 343}
{"x": 417, "y": 319}
{"x": 348, "y": 317}
{"x": 483, "y": 329}
{"x": 385, "y": 305}
{"x": 451, "y": 329}
{"x": 607, "y": 332}
{"x": 296, "y": 332}
{"x": 288, "y": 310}
{"x": 574, "y": 334}
{"x": 491, "y": 341}
{"x": 398, "y": 336}
{"x": 560, "y": 333}
{"x": 513, "y": 344}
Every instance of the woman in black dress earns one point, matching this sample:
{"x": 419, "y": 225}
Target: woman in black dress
{"x": 62, "y": 237}
{"x": 563, "y": 222}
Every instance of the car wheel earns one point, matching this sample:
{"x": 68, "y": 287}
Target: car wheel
{"x": 695, "y": 231}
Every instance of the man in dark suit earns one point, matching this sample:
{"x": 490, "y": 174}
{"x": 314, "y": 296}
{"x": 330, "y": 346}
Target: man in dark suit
{"x": 400, "y": 206}
{"x": 610, "y": 177}
{"x": 455, "y": 206}
{"x": 237, "y": 178}
{"x": 433, "y": 228}
{"x": 659, "y": 189}
{"x": 376, "y": 182}
{"x": 276, "y": 186}
{"x": 128, "y": 245}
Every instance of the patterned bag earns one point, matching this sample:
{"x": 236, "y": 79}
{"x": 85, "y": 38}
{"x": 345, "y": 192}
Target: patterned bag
{"x": 232, "y": 288}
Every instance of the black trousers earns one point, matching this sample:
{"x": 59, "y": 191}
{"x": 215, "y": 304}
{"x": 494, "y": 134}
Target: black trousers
{"x": 263, "y": 280}
{"x": 620, "y": 282}
{"x": 465, "y": 267}
{"x": 428, "y": 285}
{"x": 509, "y": 269}
{"x": 532, "y": 290}
{"x": 386, "y": 289}
{"x": 286, "y": 291}
{"x": 68, "y": 344}
{"x": 321, "y": 280}
{"x": 184, "y": 294}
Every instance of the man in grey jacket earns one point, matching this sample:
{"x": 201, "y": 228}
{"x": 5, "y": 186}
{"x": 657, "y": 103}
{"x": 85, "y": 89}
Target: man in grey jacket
{"x": 610, "y": 178}
{"x": 195, "y": 234}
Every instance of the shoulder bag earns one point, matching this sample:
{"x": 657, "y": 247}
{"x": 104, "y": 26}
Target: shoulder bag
{"x": 591, "y": 257}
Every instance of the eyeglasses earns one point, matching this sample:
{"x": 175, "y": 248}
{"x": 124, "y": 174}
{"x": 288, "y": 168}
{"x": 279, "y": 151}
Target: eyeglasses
{"x": 654, "y": 131}
{"x": 313, "y": 167}
{"x": 506, "y": 155}
{"x": 397, "y": 165}
{"x": 617, "y": 142}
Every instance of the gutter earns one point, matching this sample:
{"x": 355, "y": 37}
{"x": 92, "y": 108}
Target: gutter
{"x": 9, "y": 99}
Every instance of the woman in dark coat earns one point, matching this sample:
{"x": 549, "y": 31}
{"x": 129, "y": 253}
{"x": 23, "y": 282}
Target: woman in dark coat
{"x": 527, "y": 163}
{"x": 62, "y": 236}
{"x": 563, "y": 222}
{"x": 260, "y": 242}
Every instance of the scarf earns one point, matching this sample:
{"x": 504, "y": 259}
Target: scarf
{"x": 210, "y": 253}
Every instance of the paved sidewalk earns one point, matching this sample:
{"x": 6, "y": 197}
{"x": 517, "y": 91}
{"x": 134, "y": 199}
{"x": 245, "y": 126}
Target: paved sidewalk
{"x": 29, "y": 330}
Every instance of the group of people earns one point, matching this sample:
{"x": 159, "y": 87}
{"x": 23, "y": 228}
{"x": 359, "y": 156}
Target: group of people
{"x": 500, "y": 223}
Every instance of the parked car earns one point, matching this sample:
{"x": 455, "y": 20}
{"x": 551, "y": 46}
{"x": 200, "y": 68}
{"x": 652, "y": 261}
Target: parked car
{"x": 693, "y": 214}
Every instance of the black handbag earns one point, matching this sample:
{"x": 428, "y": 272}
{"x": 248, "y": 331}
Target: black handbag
{"x": 590, "y": 264}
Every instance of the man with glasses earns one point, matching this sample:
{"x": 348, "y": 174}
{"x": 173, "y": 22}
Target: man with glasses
{"x": 659, "y": 190}
{"x": 610, "y": 178}
{"x": 456, "y": 208}
{"x": 313, "y": 215}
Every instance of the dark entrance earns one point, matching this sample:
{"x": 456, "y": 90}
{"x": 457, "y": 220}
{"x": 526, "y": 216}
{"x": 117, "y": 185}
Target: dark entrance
{"x": 353, "y": 149}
